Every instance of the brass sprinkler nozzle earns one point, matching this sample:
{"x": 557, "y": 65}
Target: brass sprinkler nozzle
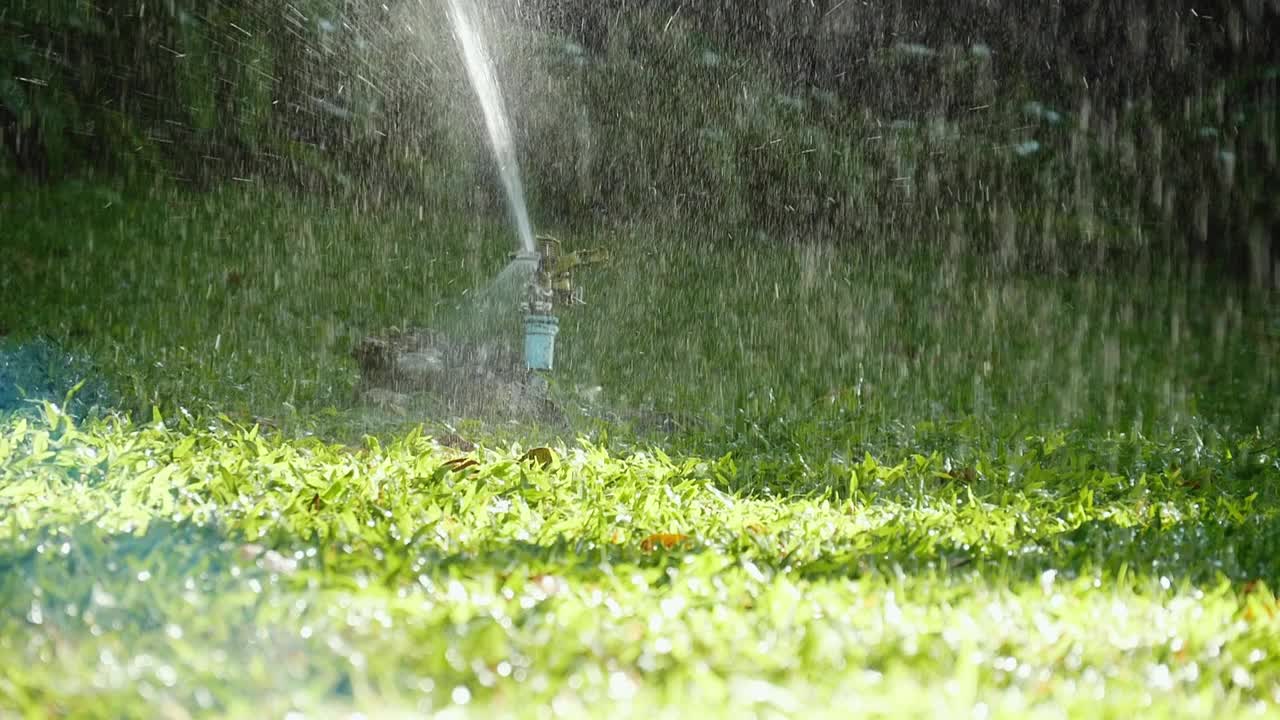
{"x": 555, "y": 270}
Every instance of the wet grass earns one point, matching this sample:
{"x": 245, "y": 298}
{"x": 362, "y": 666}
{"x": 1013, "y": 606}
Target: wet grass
{"x": 164, "y": 569}
{"x": 249, "y": 304}
{"x": 240, "y": 302}
{"x": 814, "y": 480}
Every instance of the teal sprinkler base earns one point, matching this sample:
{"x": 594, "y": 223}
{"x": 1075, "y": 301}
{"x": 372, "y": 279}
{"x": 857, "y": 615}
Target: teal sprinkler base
{"x": 540, "y": 341}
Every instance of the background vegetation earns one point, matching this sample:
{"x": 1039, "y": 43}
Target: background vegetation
{"x": 1050, "y": 135}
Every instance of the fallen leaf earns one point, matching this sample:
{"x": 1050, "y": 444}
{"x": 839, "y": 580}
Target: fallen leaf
{"x": 458, "y": 464}
{"x": 542, "y": 456}
{"x": 666, "y": 540}
{"x": 1259, "y": 603}
{"x": 756, "y": 529}
{"x": 1254, "y": 612}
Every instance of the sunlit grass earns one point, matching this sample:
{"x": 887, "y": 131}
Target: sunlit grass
{"x": 908, "y": 485}
{"x": 160, "y": 569}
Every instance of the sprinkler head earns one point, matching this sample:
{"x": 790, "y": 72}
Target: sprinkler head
{"x": 533, "y": 269}
{"x": 556, "y": 268}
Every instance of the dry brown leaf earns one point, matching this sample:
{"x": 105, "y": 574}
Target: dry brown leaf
{"x": 542, "y": 456}
{"x": 459, "y": 464}
{"x": 1259, "y": 603}
{"x": 664, "y": 540}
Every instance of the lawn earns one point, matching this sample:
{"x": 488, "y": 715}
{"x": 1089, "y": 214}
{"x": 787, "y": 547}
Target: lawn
{"x": 811, "y": 483}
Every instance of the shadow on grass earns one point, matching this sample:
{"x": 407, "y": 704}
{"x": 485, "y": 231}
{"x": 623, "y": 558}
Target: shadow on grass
{"x": 1193, "y": 553}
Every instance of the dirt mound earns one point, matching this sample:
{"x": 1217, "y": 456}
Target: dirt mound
{"x": 407, "y": 370}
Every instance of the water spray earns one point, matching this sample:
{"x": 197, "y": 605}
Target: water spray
{"x": 470, "y": 366}
{"x": 484, "y": 81}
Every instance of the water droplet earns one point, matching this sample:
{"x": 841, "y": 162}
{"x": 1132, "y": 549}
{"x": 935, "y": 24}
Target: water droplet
{"x": 621, "y": 686}
{"x": 1027, "y": 148}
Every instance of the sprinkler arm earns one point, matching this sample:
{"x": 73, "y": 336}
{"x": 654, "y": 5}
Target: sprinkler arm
{"x": 554, "y": 278}
{"x": 579, "y": 258}
{"x": 561, "y": 273}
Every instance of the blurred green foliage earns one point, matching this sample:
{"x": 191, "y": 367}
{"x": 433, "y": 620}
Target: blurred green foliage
{"x": 958, "y": 139}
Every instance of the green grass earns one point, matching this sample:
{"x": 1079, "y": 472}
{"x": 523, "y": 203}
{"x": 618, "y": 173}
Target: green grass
{"x": 154, "y": 570}
{"x": 909, "y": 485}
{"x": 249, "y": 303}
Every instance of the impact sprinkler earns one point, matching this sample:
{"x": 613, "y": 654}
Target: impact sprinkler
{"x": 550, "y": 285}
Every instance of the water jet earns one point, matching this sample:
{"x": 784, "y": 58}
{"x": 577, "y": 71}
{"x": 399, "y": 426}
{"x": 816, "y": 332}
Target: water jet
{"x": 470, "y": 370}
